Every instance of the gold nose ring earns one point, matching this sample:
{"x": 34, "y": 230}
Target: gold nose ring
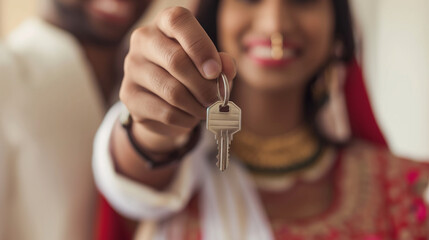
{"x": 277, "y": 46}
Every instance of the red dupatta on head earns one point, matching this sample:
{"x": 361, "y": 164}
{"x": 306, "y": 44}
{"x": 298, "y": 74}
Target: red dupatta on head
{"x": 361, "y": 117}
{"x": 111, "y": 226}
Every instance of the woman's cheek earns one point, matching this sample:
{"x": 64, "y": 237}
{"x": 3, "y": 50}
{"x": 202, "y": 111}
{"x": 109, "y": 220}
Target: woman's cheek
{"x": 231, "y": 23}
{"x": 318, "y": 29}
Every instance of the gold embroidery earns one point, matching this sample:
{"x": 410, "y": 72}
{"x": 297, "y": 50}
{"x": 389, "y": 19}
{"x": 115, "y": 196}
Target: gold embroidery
{"x": 358, "y": 197}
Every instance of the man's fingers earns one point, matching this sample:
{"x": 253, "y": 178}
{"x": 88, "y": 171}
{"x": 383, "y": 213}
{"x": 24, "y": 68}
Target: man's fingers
{"x": 155, "y": 108}
{"x": 179, "y": 23}
{"x": 155, "y": 47}
{"x": 228, "y": 67}
{"x": 163, "y": 129}
{"x": 157, "y": 80}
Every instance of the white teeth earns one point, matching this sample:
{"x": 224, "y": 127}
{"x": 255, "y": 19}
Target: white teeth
{"x": 262, "y": 52}
{"x": 265, "y": 52}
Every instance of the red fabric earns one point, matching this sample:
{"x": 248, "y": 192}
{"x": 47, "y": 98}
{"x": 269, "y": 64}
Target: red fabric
{"x": 361, "y": 116}
{"x": 362, "y": 122}
{"x": 389, "y": 202}
{"x": 110, "y": 225}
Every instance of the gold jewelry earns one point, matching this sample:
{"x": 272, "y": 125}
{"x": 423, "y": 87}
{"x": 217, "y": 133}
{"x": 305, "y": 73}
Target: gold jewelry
{"x": 320, "y": 89}
{"x": 277, "y": 46}
{"x": 275, "y": 152}
{"x": 284, "y": 182}
{"x": 298, "y": 155}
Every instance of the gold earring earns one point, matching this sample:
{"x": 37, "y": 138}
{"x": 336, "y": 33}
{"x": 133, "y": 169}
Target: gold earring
{"x": 320, "y": 88}
{"x": 277, "y": 46}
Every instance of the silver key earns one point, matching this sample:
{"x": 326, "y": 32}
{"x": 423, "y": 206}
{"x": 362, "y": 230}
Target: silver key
{"x": 223, "y": 122}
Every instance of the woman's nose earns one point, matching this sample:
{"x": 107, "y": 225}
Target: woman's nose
{"x": 275, "y": 16}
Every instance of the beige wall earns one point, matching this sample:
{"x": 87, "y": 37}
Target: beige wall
{"x": 13, "y": 12}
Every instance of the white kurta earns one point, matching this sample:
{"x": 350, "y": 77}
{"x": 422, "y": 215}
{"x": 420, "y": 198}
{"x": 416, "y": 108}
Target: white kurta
{"x": 50, "y": 110}
{"x": 220, "y": 202}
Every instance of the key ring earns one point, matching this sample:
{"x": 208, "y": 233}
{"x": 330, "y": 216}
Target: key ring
{"x": 226, "y": 89}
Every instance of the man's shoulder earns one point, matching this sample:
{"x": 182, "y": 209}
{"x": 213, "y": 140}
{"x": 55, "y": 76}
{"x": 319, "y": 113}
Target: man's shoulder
{"x": 9, "y": 73}
{"x": 39, "y": 46}
{"x": 35, "y": 31}
{"x": 44, "y": 55}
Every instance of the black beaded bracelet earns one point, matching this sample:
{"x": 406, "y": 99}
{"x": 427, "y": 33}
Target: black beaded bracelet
{"x": 175, "y": 156}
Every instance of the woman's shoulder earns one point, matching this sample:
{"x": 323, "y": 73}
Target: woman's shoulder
{"x": 395, "y": 167}
{"x": 403, "y": 185}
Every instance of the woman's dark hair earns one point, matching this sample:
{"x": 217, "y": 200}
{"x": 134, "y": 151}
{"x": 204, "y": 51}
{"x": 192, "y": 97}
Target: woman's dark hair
{"x": 207, "y": 14}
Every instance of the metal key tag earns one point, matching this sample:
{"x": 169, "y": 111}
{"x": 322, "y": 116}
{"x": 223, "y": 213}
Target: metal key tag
{"x": 224, "y": 120}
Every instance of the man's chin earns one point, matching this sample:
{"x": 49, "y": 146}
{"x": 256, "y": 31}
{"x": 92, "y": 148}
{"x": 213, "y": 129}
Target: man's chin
{"x": 100, "y": 39}
{"x": 76, "y": 21}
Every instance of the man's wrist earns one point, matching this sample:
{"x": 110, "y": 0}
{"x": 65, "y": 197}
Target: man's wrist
{"x": 156, "y": 159}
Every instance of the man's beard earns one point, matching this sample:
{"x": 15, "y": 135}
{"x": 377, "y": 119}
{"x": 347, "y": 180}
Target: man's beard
{"x": 74, "y": 20}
